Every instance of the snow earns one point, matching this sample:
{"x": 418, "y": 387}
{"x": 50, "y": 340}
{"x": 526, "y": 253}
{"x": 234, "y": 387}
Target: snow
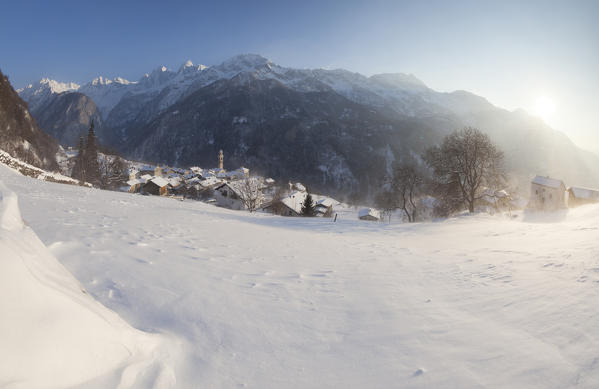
{"x": 159, "y": 181}
{"x": 53, "y": 334}
{"x": 299, "y": 187}
{"x": 327, "y": 202}
{"x": 295, "y": 200}
{"x": 548, "y": 182}
{"x": 255, "y": 300}
{"x": 135, "y": 181}
{"x": 369, "y": 212}
{"x": 34, "y": 171}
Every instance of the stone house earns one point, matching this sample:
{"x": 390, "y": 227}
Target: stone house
{"x": 547, "y": 194}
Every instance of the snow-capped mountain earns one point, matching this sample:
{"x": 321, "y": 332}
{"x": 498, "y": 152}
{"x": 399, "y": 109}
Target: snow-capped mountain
{"x": 106, "y": 93}
{"x": 405, "y": 93}
{"x": 40, "y": 92}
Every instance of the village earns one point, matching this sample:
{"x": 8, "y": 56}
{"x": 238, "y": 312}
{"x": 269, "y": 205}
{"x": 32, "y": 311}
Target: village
{"x": 234, "y": 189}
{"x": 238, "y": 190}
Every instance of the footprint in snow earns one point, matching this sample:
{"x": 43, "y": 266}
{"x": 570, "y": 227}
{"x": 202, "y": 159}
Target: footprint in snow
{"x": 418, "y": 372}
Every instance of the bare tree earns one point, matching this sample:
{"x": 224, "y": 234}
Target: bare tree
{"x": 276, "y": 204}
{"x": 250, "y": 192}
{"x": 407, "y": 184}
{"x": 463, "y": 165}
{"x": 387, "y": 202}
{"x": 113, "y": 171}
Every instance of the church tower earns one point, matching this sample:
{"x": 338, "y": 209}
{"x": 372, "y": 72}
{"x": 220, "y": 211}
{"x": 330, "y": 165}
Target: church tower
{"x": 221, "y": 157}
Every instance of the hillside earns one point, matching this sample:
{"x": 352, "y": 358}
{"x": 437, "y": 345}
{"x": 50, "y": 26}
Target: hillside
{"x": 254, "y": 300}
{"x": 19, "y": 134}
{"x": 68, "y": 116}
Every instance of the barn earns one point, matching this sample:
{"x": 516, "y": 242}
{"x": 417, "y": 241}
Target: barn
{"x": 580, "y": 196}
{"x": 157, "y": 186}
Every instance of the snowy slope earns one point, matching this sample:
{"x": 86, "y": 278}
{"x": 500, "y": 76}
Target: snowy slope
{"x": 53, "y": 334}
{"x": 269, "y": 302}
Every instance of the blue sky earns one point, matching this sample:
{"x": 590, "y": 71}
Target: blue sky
{"x": 512, "y": 53}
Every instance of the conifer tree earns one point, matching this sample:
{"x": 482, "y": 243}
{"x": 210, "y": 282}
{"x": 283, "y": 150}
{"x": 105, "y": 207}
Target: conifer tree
{"x": 92, "y": 168}
{"x": 308, "y": 208}
{"x": 79, "y": 167}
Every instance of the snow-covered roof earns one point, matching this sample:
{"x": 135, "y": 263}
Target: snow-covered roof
{"x": 369, "y": 212}
{"x": 175, "y": 181}
{"x": 295, "y": 201}
{"x": 269, "y": 181}
{"x": 490, "y": 194}
{"x": 235, "y": 186}
{"x": 146, "y": 177}
{"x": 502, "y": 193}
{"x": 135, "y": 181}
{"x": 193, "y": 180}
{"x": 239, "y": 172}
{"x": 210, "y": 181}
{"x": 548, "y": 182}
{"x": 326, "y": 202}
{"x": 584, "y": 193}
{"x": 159, "y": 181}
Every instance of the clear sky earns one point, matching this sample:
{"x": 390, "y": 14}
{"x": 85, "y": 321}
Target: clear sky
{"x": 542, "y": 56}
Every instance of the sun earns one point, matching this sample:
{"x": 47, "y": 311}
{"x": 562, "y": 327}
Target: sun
{"x": 544, "y": 107}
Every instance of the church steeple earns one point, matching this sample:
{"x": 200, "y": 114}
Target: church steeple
{"x": 221, "y": 157}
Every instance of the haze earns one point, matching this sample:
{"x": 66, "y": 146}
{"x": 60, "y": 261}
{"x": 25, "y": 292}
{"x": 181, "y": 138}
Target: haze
{"x": 541, "y": 56}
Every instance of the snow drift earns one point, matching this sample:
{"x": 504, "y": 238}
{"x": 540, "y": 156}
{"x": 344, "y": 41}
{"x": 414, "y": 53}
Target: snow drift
{"x": 53, "y": 334}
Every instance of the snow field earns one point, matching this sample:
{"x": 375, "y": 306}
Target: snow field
{"x": 53, "y": 334}
{"x": 264, "y": 301}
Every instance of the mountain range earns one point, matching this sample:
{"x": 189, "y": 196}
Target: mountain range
{"x": 333, "y": 129}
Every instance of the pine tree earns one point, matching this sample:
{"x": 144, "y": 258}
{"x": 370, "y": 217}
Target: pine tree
{"x": 79, "y": 167}
{"x": 92, "y": 168}
{"x": 308, "y": 206}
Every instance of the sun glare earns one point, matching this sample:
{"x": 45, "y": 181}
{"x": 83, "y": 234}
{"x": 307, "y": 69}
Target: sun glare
{"x": 544, "y": 107}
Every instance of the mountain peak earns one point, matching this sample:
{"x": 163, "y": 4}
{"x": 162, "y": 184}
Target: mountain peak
{"x": 120, "y": 80}
{"x": 245, "y": 62}
{"x": 190, "y": 67}
{"x": 101, "y": 81}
